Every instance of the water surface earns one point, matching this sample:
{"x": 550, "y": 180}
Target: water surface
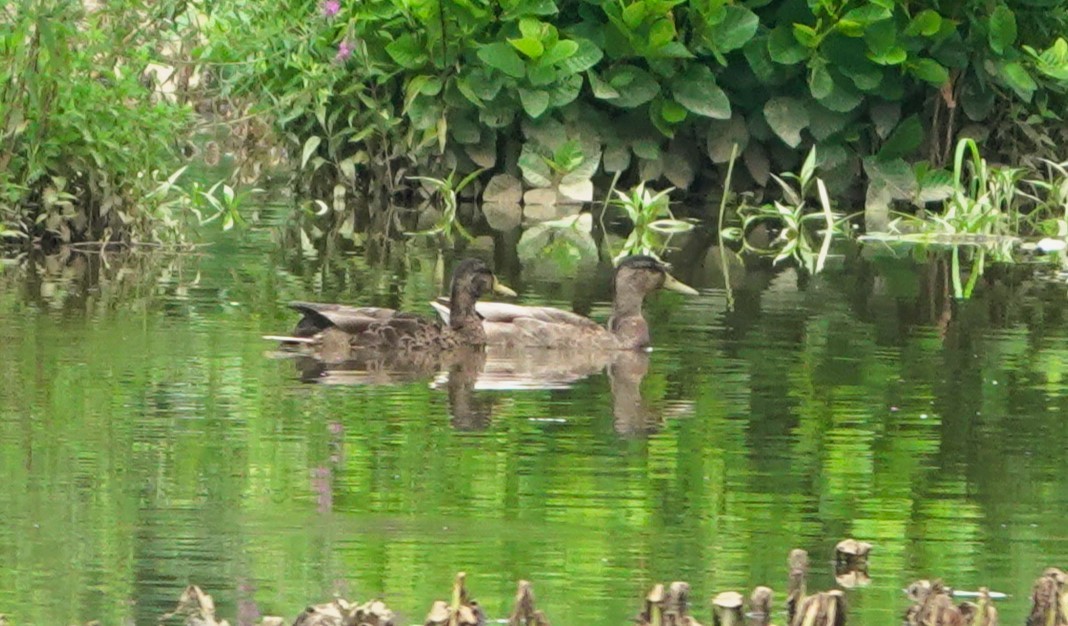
{"x": 148, "y": 440}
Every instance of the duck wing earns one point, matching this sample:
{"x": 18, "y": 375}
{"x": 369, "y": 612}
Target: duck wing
{"x": 350, "y": 319}
{"x": 507, "y": 313}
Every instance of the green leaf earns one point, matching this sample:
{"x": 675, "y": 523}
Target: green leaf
{"x": 784, "y": 48}
{"x": 820, "y": 83}
{"x": 502, "y": 56}
{"x": 407, "y": 51}
{"x": 601, "y": 88}
{"x": 540, "y": 74}
{"x": 564, "y": 91}
{"x": 560, "y": 51}
{"x": 885, "y": 116}
{"x": 787, "y": 117}
{"x": 1002, "y": 29}
{"x": 696, "y": 89}
{"x": 309, "y": 149}
{"x": 904, "y": 140}
{"x": 843, "y": 98}
{"x": 535, "y": 170}
{"x": 586, "y": 55}
{"x": 806, "y": 35}
{"x": 534, "y": 101}
{"x": 635, "y": 86}
{"x": 1018, "y": 79}
{"x": 529, "y": 46}
{"x": 895, "y": 55}
{"x": 930, "y": 71}
{"x": 738, "y": 26}
{"x": 672, "y": 112}
{"x": 867, "y": 14}
{"x": 723, "y": 135}
{"x": 926, "y": 23}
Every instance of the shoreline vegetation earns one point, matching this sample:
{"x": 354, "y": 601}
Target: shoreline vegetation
{"x": 388, "y": 118}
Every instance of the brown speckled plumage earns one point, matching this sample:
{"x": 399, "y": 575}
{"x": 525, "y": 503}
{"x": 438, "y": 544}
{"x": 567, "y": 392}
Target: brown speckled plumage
{"x": 546, "y": 327}
{"x": 339, "y": 329}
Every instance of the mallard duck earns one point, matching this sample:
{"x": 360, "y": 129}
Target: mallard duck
{"x": 546, "y": 327}
{"x": 337, "y": 329}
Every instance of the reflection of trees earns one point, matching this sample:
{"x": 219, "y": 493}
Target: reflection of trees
{"x": 167, "y": 448}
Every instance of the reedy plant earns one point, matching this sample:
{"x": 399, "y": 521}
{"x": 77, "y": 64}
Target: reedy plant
{"x": 797, "y": 219}
{"x": 652, "y": 220}
{"x": 80, "y": 134}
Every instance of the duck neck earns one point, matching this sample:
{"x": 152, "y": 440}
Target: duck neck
{"x": 627, "y": 323}
{"x": 462, "y": 314}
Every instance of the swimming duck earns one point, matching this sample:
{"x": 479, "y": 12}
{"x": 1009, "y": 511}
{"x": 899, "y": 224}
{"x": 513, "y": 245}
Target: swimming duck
{"x": 546, "y": 327}
{"x": 337, "y": 329}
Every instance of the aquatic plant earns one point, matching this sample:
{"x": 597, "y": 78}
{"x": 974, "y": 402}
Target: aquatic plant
{"x": 653, "y": 222}
{"x": 797, "y": 219}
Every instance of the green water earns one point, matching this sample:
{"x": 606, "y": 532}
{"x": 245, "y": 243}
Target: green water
{"x": 149, "y": 439}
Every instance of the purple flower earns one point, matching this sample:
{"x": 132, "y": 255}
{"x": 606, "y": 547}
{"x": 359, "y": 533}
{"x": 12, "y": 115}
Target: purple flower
{"x": 344, "y": 51}
{"x": 330, "y": 8}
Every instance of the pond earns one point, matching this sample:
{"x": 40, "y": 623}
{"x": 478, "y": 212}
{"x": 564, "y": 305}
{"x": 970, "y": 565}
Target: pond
{"x": 149, "y": 438}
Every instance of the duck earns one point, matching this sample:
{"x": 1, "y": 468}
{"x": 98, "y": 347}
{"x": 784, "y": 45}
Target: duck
{"x": 513, "y": 325}
{"x": 338, "y": 330}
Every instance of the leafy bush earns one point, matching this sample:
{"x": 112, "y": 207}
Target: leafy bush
{"x": 82, "y": 137}
{"x": 561, "y": 91}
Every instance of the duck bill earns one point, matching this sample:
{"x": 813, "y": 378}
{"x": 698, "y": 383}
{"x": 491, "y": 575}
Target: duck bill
{"x": 498, "y": 287}
{"x": 674, "y": 284}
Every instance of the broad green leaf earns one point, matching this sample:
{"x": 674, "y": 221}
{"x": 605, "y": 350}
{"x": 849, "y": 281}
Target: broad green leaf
{"x": 534, "y": 101}
{"x": 784, "y": 48}
{"x": 310, "y": 146}
{"x": 532, "y": 28}
{"x": 560, "y": 51}
{"x": 904, "y": 140}
{"x": 529, "y": 46}
{"x": 407, "y": 51}
{"x": 1018, "y": 79}
{"x": 635, "y": 13}
{"x": 843, "y": 98}
{"x": 820, "y": 83}
{"x": 867, "y": 14}
{"x": 696, "y": 89}
{"x": 930, "y": 71}
{"x": 1002, "y": 29}
{"x": 565, "y": 90}
{"x": 541, "y": 74}
{"x": 635, "y": 86}
{"x": 586, "y": 55}
{"x": 672, "y": 112}
{"x": 787, "y": 117}
{"x": 806, "y": 35}
{"x": 892, "y": 56}
{"x": 738, "y": 26}
{"x": 723, "y": 135}
{"x": 601, "y": 89}
{"x": 885, "y": 116}
{"x": 502, "y": 56}
{"x": 535, "y": 170}
{"x": 926, "y": 23}
{"x": 661, "y": 33}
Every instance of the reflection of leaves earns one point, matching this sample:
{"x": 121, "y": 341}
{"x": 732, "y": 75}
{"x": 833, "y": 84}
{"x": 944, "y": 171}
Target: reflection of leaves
{"x": 567, "y": 242}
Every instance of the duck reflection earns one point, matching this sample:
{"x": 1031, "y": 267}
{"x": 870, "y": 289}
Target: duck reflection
{"x": 467, "y": 374}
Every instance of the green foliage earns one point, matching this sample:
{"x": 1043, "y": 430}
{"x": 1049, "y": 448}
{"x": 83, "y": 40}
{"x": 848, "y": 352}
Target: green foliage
{"x": 647, "y": 89}
{"x": 653, "y": 221}
{"x": 797, "y": 220}
{"x": 82, "y": 138}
